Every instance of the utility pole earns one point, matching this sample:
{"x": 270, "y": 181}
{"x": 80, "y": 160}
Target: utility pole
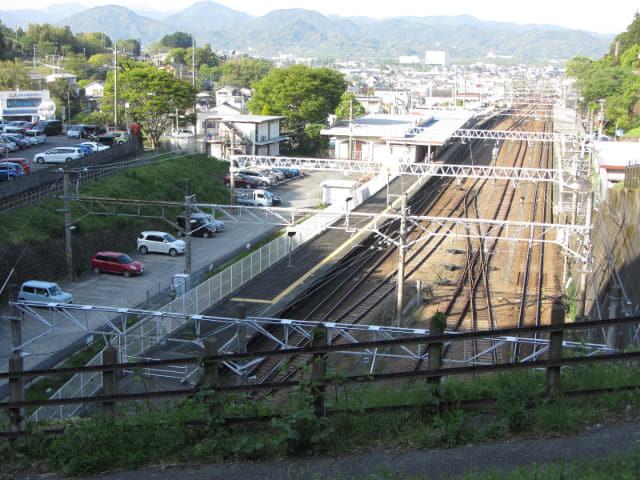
{"x": 401, "y": 260}
{"x": 115, "y": 85}
{"x": 67, "y": 225}
{"x": 187, "y": 225}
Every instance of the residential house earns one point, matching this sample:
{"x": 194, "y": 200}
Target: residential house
{"x": 227, "y": 134}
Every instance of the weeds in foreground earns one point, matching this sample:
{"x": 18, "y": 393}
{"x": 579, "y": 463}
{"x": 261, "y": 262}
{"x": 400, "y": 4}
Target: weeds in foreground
{"x": 201, "y": 429}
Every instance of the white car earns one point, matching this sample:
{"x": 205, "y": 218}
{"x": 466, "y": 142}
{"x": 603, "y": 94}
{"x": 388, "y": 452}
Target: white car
{"x": 96, "y": 146}
{"x": 160, "y": 242}
{"x": 59, "y": 154}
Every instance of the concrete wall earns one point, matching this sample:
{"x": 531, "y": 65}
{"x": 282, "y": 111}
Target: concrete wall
{"x": 616, "y": 242}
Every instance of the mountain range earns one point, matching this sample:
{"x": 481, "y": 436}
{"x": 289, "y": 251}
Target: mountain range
{"x": 305, "y": 32}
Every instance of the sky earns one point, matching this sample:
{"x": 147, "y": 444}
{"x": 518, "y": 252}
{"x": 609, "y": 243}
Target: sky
{"x": 593, "y": 16}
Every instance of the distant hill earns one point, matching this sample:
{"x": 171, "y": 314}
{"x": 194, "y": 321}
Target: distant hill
{"x": 309, "y": 33}
{"x": 52, "y": 14}
{"x": 205, "y": 16}
{"x": 118, "y": 22}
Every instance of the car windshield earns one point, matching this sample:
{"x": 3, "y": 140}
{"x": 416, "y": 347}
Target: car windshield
{"x": 169, "y": 238}
{"x": 55, "y": 290}
{"x": 125, "y": 258}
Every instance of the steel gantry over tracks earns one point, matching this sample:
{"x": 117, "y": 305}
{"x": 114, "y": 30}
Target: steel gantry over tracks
{"x": 404, "y": 168}
{"x": 559, "y": 234}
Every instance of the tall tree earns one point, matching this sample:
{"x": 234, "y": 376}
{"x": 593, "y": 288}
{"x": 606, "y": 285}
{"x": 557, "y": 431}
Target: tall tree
{"x": 303, "y": 94}
{"x": 177, "y": 40}
{"x": 12, "y": 75}
{"x": 244, "y": 71}
{"x": 349, "y": 107}
{"x": 153, "y": 96}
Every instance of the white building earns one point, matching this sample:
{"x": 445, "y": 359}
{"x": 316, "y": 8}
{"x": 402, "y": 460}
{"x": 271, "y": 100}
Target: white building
{"x": 610, "y": 159}
{"x": 235, "y": 134}
{"x": 94, "y": 89}
{"x": 30, "y": 105}
{"x": 435, "y": 57}
{"x": 396, "y": 137}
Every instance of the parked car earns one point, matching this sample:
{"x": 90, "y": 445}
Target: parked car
{"x": 8, "y": 144}
{"x": 160, "y": 242}
{"x": 242, "y": 181}
{"x": 49, "y": 127}
{"x": 74, "y": 131}
{"x": 199, "y": 226}
{"x": 18, "y": 139}
{"x": 276, "y": 174}
{"x": 113, "y": 137}
{"x": 58, "y": 154}
{"x": 24, "y": 163}
{"x": 38, "y": 291}
{"x": 116, "y": 262}
{"x": 36, "y": 136}
{"x": 95, "y": 146}
{"x": 9, "y": 171}
{"x": 261, "y": 176}
{"x": 86, "y": 149}
{"x": 92, "y": 131}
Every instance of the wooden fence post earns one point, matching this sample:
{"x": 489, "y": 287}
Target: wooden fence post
{"x": 16, "y": 393}
{"x": 434, "y": 350}
{"x": 109, "y": 356}
{"x": 210, "y": 374}
{"x": 555, "y": 348}
{"x": 318, "y": 369}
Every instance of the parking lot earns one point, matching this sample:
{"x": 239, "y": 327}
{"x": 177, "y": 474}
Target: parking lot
{"x": 50, "y": 142}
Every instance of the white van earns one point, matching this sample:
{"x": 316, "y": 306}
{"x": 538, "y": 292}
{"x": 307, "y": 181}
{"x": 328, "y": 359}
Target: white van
{"x": 37, "y": 291}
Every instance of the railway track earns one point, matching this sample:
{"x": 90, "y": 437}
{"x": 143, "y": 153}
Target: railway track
{"x": 363, "y": 287}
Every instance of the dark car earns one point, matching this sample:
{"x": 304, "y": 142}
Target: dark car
{"x": 241, "y": 181}
{"x": 199, "y": 226}
{"x": 91, "y": 131}
{"x": 116, "y": 262}
{"x": 49, "y": 127}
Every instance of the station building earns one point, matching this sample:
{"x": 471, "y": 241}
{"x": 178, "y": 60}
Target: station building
{"x": 28, "y": 105}
{"x": 413, "y": 138}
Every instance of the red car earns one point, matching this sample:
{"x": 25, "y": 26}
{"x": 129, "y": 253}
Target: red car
{"x": 116, "y": 262}
{"x": 22, "y": 161}
{"x": 241, "y": 181}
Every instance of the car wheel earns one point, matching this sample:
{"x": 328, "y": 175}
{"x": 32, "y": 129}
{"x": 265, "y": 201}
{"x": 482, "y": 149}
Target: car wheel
{"x": 205, "y": 235}
{"x": 126, "y": 274}
{"x": 96, "y": 270}
{"x": 173, "y": 252}
{"x": 67, "y": 160}
{"x": 263, "y": 183}
{"x": 143, "y": 250}
{"x": 39, "y": 160}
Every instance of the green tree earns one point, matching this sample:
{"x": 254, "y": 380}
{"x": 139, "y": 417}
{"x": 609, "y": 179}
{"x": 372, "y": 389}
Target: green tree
{"x": 130, "y": 46}
{"x": 12, "y": 75}
{"x": 244, "y": 71}
{"x": 92, "y": 43}
{"x": 65, "y": 98}
{"x": 349, "y": 107}
{"x": 177, "y": 40}
{"x": 304, "y": 95}
{"x": 153, "y": 96}
{"x": 4, "y": 51}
